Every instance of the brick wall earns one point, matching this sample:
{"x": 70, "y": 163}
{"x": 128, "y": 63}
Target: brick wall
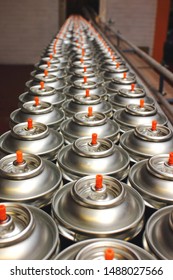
{"x": 135, "y": 19}
{"x": 26, "y": 28}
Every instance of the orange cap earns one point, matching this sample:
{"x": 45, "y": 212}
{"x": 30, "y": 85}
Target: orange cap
{"x": 83, "y": 52}
{"x": 87, "y": 93}
{"x": 54, "y": 50}
{"x": 51, "y": 56}
{"x": 42, "y": 85}
{"x": 48, "y": 63}
{"x": 3, "y": 215}
{"x": 170, "y": 161}
{"x": 19, "y": 156}
{"x": 94, "y": 139}
{"x": 99, "y": 182}
{"x": 81, "y": 60}
{"x": 132, "y": 87}
{"x": 45, "y": 73}
{"x": 117, "y": 65}
{"x": 30, "y": 124}
{"x": 37, "y": 101}
{"x": 84, "y": 69}
{"x": 109, "y": 254}
{"x": 154, "y": 125}
{"x": 124, "y": 75}
{"x": 113, "y": 58}
{"x": 142, "y": 103}
{"x": 90, "y": 111}
{"x": 85, "y": 79}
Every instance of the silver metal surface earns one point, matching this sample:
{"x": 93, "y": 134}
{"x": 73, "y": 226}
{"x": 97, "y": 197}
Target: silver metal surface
{"x": 122, "y": 249}
{"x": 84, "y": 158}
{"x": 118, "y": 83}
{"x": 153, "y": 179}
{"x": 81, "y": 102}
{"x": 82, "y": 211}
{"x": 32, "y": 181}
{"x": 39, "y": 140}
{"x": 125, "y": 97}
{"x": 44, "y": 113}
{"x": 83, "y": 125}
{"x": 134, "y": 115}
{"x": 143, "y": 142}
{"x": 23, "y": 229}
{"x": 90, "y": 74}
{"x": 111, "y": 72}
{"x": 158, "y": 236}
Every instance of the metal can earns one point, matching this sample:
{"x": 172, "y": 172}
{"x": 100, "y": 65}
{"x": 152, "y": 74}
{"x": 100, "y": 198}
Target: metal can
{"x": 81, "y": 102}
{"x": 98, "y": 206}
{"x": 137, "y": 114}
{"x": 88, "y": 156}
{"x": 80, "y": 87}
{"x": 39, "y": 111}
{"x": 83, "y": 124}
{"x": 28, "y": 179}
{"x": 147, "y": 140}
{"x": 22, "y": 229}
{"x": 153, "y": 179}
{"x": 90, "y": 74}
{"x": 32, "y": 137}
{"x": 125, "y": 97}
{"x": 104, "y": 249}
{"x": 77, "y": 65}
{"x": 125, "y": 82}
{"x": 158, "y": 236}
{"x": 45, "y": 93}
{"x": 112, "y": 72}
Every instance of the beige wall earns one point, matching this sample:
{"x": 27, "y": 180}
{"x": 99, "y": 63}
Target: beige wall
{"x": 26, "y": 28}
{"x": 135, "y": 19}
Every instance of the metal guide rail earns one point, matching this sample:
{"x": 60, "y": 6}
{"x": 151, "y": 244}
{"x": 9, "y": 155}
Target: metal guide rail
{"x": 121, "y": 45}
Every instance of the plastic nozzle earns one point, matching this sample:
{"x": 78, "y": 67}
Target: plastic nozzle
{"x": 117, "y": 65}
{"x": 48, "y": 64}
{"x": 19, "y": 157}
{"x": 54, "y": 50}
{"x": 3, "y": 215}
{"x": 132, "y": 87}
{"x": 99, "y": 182}
{"x": 109, "y": 254}
{"x": 37, "y": 101}
{"x": 94, "y": 139}
{"x": 45, "y": 73}
{"x": 124, "y": 75}
{"x": 30, "y": 124}
{"x": 51, "y": 56}
{"x": 87, "y": 93}
{"x": 82, "y": 60}
{"x": 84, "y": 69}
{"x": 142, "y": 103}
{"x": 154, "y": 125}
{"x": 170, "y": 161}
{"x": 42, "y": 85}
{"x": 85, "y": 79}
{"x": 90, "y": 111}
{"x": 83, "y": 52}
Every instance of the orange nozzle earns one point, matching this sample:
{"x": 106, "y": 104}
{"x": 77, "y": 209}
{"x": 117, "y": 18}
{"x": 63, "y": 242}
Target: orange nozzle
{"x": 109, "y": 254}
{"x": 45, "y": 73}
{"x": 90, "y": 111}
{"x": 84, "y": 69}
{"x": 83, "y": 52}
{"x": 94, "y": 139}
{"x": 99, "y": 182}
{"x": 154, "y": 125}
{"x": 113, "y": 58}
{"x": 81, "y": 60}
{"x": 117, "y": 65}
{"x": 54, "y": 50}
{"x": 142, "y": 103}
{"x": 170, "y": 161}
{"x": 3, "y": 215}
{"x": 19, "y": 156}
{"x": 51, "y": 56}
{"x": 124, "y": 75}
{"x": 85, "y": 79}
{"x": 132, "y": 87}
{"x": 48, "y": 63}
{"x": 87, "y": 93}
{"x": 42, "y": 85}
{"x": 37, "y": 101}
{"x": 30, "y": 124}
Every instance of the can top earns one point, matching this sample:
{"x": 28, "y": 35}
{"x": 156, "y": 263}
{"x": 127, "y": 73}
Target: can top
{"x": 107, "y": 250}
{"x": 85, "y": 84}
{"x": 141, "y": 110}
{"x": 161, "y": 166}
{"x": 42, "y": 89}
{"x": 135, "y": 92}
{"x": 90, "y": 118}
{"x": 35, "y": 108}
{"x": 129, "y": 78}
{"x": 90, "y": 99}
{"x": 46, "y": 77}
{"x": 148, "y": 133}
